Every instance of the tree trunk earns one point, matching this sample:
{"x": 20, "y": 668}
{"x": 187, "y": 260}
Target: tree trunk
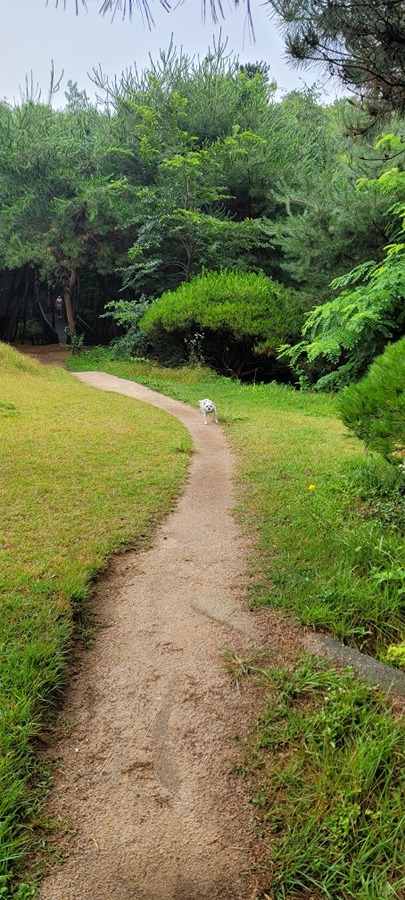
{"x": 51, "y": 306}
{"x": 10, "y": 308}
{"x": 18, "y": 303}
{"x": 69, "y": 292}
{"x": 190, "y": 250}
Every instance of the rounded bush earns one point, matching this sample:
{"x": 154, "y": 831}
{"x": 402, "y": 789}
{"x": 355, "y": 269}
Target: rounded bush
{"x": 240, "y": 318}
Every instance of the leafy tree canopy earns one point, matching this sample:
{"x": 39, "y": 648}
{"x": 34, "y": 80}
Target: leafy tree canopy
{"x": 348, "y": 331}
{"x": 191, "y": 166}
{"x": 361, "y": 43}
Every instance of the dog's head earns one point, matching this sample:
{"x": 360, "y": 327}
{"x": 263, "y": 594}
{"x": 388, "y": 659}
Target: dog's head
{"x": 207, "y": 405}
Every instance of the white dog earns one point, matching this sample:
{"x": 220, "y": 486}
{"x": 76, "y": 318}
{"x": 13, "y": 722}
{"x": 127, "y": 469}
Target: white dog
{"x": 207, "y": 407}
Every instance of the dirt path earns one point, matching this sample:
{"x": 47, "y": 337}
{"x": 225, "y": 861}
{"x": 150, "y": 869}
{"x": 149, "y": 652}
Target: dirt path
{"x": 145, "y": 780}
{"x": 48, "y": 354}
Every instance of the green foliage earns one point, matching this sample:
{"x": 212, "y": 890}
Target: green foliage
{"x": 395, "y": 655}
{"x": 76, "y": 342}
{"x": 34, "y": 330}
{"x": 331, "y": 226}
{"x": 192, "y": 166}
{"x": 175, "y": 246}
{"x": 374, "y": 409}
{"x": 346, "y": 333}
{"x": 360, "y": 43}
{"x": 217, "y": 300}
{"x": 350, "y": 330}
{"x": 239, "y": 314}
{"x": 127, "y": 314}
{"x": 376, "y": 488}
{"x": 58, "y": 211}
{"x": 182, "y": 226}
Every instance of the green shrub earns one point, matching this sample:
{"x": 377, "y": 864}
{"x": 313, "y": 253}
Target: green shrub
{"x": 395, "y": 655}
{"x": 374, "y": 409}
{"x": 241, "y": 318}
{"x": 127, "y": 314}
{"x": 342, "y": 337}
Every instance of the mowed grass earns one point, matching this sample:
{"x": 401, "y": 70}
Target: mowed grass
{"x": 83, "y": 473}
{"x": 322, "y": 547}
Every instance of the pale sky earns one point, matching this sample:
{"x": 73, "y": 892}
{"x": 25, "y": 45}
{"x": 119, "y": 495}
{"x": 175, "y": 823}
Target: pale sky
{"x": 34, "y": 34}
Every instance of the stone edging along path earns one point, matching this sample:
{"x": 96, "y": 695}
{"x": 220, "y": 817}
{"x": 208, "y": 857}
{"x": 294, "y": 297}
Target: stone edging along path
{"x": 369, "y": 669}
{"x": 145, "y": 777}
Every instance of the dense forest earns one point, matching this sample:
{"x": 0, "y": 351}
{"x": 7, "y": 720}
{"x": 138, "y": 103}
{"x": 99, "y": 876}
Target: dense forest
{"x": 280, "y": 220}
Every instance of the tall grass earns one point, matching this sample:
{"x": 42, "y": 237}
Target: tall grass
{"x": 83, "y": 473}
{"x": 325, "y": 765}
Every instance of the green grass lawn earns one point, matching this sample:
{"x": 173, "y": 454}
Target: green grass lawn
{"x": 83, "y": 473}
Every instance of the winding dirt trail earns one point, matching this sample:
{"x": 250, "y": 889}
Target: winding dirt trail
{"x": 145, "y": 780}
{"x": 148, "y": 807}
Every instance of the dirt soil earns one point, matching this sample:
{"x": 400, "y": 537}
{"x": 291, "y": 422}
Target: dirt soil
{"x": 48, "y": 354}
{"x": 145, "y": 796}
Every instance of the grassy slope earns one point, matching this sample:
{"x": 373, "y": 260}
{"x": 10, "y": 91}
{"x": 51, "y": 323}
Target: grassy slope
{"x": 82, "y": 473}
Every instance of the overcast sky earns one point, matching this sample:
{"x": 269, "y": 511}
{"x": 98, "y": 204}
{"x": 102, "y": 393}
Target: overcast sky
{"x": 34, "y": 34}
